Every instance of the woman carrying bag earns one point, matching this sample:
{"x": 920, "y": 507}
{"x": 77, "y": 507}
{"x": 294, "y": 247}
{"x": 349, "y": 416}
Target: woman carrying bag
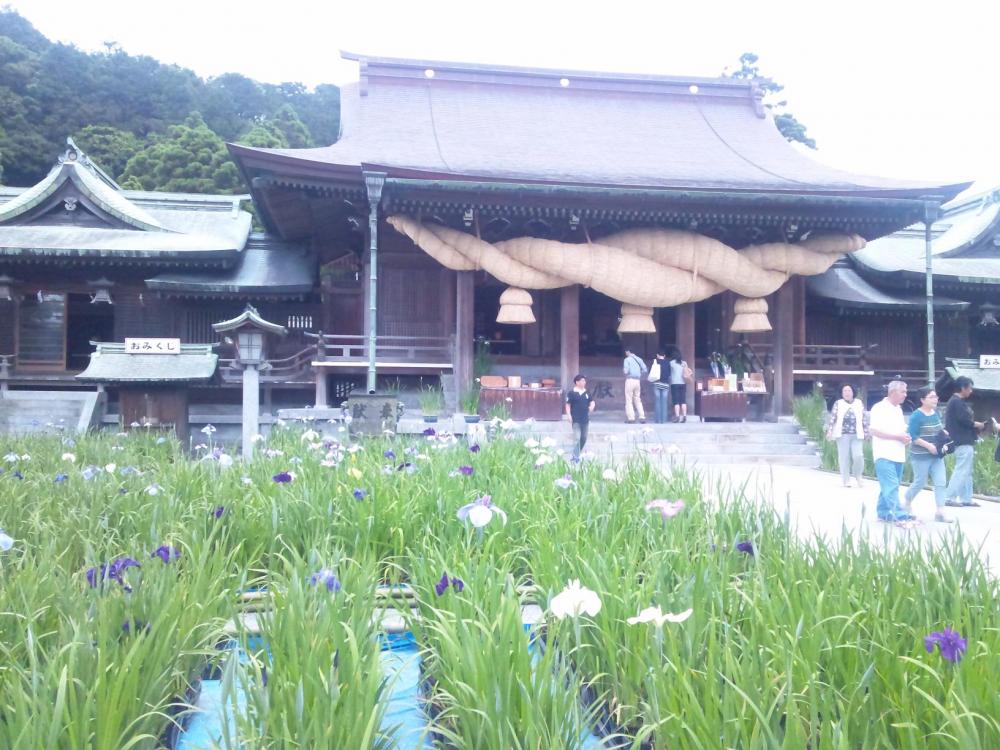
{"x": 848, "y": 430}
{"x": 927, "y": 453}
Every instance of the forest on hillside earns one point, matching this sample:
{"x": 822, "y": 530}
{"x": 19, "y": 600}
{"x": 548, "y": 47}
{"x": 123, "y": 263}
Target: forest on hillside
{"x": 149, "y": 125}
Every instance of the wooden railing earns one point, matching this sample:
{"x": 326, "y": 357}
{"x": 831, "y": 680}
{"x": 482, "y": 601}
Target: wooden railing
{"x": 838, "y": 357}
{"x": 291, "y": 369}
{"x": 396, "y": 349}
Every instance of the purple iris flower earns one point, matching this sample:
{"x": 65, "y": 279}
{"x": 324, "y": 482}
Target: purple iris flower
{"x": 389, "y": 454}
{"x": 949, "y": 643}
{"x": 360, "y": 494}
{"x": 282, "y": 477}
{"x": 120, "y": 565}
{"x": 474, "y": 448}
{"x": 60, "y": 478}
{"x": 467, "y": 471}
{"x": 746, "y": 548}
{"x": 441, "y": 586}
{"x": 407, "y": 467}
{"x": 135, "y": 626}
{"x": 430, "y": 432}
{"x": 112, "y": 572}
{"x": 17, "y": 474}
{"x": 219, "y": 511}
{"x": 326, "y": 577}
{"x": 166, "y": 553}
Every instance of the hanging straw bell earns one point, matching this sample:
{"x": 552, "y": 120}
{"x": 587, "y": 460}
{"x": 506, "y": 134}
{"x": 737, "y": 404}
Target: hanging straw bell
{"x": 750, "y": 315}
{"x": 515, "y": 307}
{"x": 636, "y": 319}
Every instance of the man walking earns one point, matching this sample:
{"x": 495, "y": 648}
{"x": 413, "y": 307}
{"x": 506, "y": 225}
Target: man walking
{"x": 579, "y": 405}
{"x": 633, "y": 369}
{"x": 961, "y": 424}
{"x": 890, "y": 436}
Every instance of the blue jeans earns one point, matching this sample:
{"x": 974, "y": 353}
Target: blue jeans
{"x": 960, "y": 486}
{"x": 889, "y": 473}
{"x": 925, "y": 466}
{"x": 661, "y": 405}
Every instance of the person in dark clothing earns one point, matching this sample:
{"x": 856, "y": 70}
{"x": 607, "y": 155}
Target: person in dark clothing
{"x": 579, "y": 406}
{"x": 961, "y": 424}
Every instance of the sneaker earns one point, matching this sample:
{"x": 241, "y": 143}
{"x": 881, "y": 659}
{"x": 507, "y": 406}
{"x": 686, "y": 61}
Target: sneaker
{"x": 970, "y": 504}
{"x": 684, "y": 418}
{"x": 942, "y": 518}
{"x": 642, "y": 421}
{"x": 953, "y": 504}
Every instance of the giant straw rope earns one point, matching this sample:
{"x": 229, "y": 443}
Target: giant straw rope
{"x": 646, "y": 267}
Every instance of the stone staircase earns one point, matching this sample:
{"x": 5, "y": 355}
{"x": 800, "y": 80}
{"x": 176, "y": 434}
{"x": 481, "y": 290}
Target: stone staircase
{"x": 69, "y": 412}
{"x": 694, "y": 442}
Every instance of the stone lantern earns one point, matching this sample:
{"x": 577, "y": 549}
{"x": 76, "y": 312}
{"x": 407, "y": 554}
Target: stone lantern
{"x": 252, "y": 335}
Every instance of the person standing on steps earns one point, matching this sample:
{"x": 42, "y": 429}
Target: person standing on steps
{"x": 847, "y": 429}
{"x": 680, "y": 373}
{"x": 961, "y": 424}
{"x": 579, "y": 406}
{"x": 633, "y": 369}
{"x": 661, "y": 387}
{"x": 925, "y": 457}
{"x": 889, "y": 440}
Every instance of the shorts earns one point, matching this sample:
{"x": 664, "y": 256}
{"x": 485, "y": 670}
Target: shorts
{"x": 678, "y": 393}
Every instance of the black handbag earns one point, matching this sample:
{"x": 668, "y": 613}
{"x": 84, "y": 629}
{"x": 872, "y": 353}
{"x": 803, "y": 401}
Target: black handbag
{"x": 944, "y": 444}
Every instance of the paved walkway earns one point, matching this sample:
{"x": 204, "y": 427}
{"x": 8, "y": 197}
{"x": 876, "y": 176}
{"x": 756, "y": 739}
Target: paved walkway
{"x": 817, "y": 503}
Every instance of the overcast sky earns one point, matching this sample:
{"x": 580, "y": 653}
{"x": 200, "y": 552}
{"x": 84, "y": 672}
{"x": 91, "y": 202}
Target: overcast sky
{"x": 897, "y": 89}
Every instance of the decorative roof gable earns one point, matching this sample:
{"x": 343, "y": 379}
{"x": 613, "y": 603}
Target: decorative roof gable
{"x": 73, "y": 182}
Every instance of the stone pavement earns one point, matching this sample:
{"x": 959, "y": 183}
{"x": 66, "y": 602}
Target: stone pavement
{"x": 817, "y": 503}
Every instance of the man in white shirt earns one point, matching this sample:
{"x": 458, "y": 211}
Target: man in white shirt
{"x": 890, "y": 437}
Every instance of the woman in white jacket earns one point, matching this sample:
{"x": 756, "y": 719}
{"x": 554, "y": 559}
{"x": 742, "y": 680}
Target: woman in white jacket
{"x": 847, "y": 428}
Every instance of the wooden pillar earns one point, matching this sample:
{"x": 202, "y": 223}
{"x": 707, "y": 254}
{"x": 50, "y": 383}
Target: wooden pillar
{"x": 684, "y": 336}
{"x": 322, "y": 400}
{"x": 464, "y": 331}
{"x": 783, "y": 321}
{"x": 569, "y": 335}
{"x": 800, "y": 309}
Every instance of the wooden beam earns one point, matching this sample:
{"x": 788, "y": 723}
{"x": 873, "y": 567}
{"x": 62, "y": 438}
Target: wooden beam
{"x": 783, "y": 320}
{"x": 684, "y": 336}
{"x": 569, "y": 335}
{"x": 465, "y": 295}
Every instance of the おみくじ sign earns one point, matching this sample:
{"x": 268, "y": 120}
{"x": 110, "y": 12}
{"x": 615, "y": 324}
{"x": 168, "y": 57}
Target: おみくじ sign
{"x": 152, "y": 346}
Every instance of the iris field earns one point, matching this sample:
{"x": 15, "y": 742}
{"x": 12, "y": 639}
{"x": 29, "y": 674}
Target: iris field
{"x": 674, "y": 616}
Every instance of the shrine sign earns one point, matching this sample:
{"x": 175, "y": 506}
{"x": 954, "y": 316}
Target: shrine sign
{"x": 152, "y": 346}
{"x": 989, "y": 361}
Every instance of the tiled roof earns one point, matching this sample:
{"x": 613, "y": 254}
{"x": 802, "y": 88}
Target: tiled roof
{"x": 152, "y": 226}
{"x": 112, "y": 364}
{"x": 265, "y": 268}
{"x": 846, "y": 288}
{"x": 965, "y": 244}
{"x": 518, "y": 124}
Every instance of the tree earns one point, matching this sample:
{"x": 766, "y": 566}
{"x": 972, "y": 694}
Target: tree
{"x": 190, "y": 158}
{"x": 108, "y": 147}
{"x": 287, "y": 121}
{"x": 264, "y": 135}
{"x": 786, "y": 122}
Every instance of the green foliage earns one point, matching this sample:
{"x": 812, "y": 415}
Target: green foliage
{"x": 787, "y": 124}
{"x": 108, "y": 147}
{"x": 49, "y": 91}
{"x": 806, "y": 643}
{"x": 431, "y": 400}
{"x": 189, "y": 158}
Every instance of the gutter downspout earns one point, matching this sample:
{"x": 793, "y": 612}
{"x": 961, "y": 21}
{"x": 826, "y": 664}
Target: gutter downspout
{"x": 374, "y": 181}
{"x": 932, "y": 210}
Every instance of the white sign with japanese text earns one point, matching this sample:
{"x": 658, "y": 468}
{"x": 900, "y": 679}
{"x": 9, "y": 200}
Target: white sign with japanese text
{"x": 152, "y": 346}
{"x": 989, "y": 361}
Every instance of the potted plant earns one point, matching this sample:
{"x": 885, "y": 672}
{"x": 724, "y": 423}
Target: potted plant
{"x": 431, "y": 403}
{"x": 470, "y": 406}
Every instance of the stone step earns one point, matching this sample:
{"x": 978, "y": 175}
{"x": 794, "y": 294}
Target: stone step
{"x": 700, "y": 450}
